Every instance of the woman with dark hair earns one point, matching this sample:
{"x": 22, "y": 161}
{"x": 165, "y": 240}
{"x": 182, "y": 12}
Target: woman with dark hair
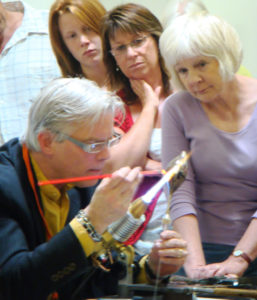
{"x": 130, "y": 35}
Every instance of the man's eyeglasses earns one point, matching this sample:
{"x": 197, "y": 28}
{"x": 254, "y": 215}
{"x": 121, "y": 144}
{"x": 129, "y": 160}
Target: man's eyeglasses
{"x": 94, "y": 147}
{"x": 135, "y": 44}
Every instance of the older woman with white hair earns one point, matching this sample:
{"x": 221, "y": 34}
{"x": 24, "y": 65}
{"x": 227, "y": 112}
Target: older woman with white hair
{"x": 176, "y": 8}
{"x": 214, "y": 117}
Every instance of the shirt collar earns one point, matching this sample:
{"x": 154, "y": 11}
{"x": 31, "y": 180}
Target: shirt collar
{"x": 49, "y": 190}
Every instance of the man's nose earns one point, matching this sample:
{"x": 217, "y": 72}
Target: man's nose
{"x": 104, "y": 154}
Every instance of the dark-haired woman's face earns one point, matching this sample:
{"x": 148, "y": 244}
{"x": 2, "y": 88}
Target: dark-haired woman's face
{"x": 135, "y": 54}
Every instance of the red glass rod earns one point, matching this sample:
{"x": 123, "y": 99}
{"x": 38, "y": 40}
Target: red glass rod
{"x": 94, "y": 177}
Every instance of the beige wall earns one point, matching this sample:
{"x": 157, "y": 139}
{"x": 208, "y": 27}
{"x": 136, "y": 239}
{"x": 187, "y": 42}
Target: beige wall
{"x": 242, "y": 14}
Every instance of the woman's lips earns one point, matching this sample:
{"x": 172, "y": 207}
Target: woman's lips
{"x": 136, "y": 65}
{"x": 89, "y": 52}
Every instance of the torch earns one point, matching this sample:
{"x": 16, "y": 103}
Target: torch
{"x": 119, "y": 231}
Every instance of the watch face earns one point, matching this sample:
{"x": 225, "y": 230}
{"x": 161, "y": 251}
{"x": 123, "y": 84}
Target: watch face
{"x": 237, "y": 252}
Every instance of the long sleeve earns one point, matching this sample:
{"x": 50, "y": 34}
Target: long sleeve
{"x": 174, "y": 141}
{"x": 221, "y": 186}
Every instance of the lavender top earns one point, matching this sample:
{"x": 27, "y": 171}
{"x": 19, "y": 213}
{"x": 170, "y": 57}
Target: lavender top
{"x": 221, "y": 185}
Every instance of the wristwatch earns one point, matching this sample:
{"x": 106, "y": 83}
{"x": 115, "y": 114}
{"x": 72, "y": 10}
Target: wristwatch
{"x": 245, "y": 256}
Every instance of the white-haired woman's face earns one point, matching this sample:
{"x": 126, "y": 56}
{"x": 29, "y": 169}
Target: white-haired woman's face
{"x": 136, "y": 54}
{"x": 201, "y": 77}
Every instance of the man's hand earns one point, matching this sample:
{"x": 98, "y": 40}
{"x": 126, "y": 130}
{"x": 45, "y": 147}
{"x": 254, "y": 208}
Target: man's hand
{"x": 112, "y": 197}
{"x": 170, "y": 250}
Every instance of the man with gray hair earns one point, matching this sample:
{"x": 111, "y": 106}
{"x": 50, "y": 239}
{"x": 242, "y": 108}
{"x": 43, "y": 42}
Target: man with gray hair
{"x": 50, "y": 233}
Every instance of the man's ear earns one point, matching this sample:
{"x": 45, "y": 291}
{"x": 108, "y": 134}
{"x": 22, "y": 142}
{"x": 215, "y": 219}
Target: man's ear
{"x": 45, "y": 140}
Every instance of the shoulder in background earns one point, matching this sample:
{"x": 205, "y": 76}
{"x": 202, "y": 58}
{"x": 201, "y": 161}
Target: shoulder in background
{"x": 243, "y": 71}
{"x": 14, "y": 6}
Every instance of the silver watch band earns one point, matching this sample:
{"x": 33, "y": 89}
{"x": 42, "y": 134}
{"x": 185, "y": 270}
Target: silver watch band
{"x": 85, "y": 222}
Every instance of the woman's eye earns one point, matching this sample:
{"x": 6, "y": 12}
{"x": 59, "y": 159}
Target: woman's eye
{"x": 121, "y": 48}
{"x": 202, "y": 64}
{"x": 182, "y": 70}
{"x": 86, "y": 29}
{"x": 137, "y": 42}
{"x": 70, "y": 36}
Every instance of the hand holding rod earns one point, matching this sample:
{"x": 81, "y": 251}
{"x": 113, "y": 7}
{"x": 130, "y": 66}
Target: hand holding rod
{"x": 126, "y": 226}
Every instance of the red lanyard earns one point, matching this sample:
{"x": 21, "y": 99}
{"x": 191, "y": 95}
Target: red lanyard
{"x": 25, "y": 154}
